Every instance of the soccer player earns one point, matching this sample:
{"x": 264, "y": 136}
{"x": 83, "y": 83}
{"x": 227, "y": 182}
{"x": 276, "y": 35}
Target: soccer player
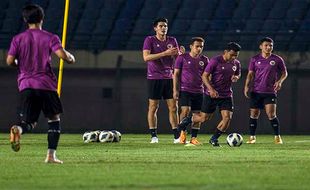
{"x": 30, "y": 51}
{"x": 267, "y": 72}
{"x": 160, "y": 51}
{"x": 188, "y": 86}
{"x": 218, "y": 77}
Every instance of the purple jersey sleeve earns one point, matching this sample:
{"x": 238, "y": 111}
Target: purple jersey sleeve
{"x": 252, "y": 65}
{"x": 238, "y": 71}
{"x": 179, "y": 62}
{"x": 281, "y": 65}
{"x": 55, "y": 43}
{"x": 147, "y": 44}
{"x": 13, "y": 48}
{"x": 211, "y": 66}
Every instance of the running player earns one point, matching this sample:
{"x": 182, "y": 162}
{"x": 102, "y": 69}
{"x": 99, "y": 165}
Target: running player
{"x": 188, "y": 86}
{"x": 218, "y": 77}
{"x": 30, "y": 52}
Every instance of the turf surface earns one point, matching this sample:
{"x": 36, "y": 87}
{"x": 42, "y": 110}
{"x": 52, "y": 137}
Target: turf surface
{"x": 134, "y": 163}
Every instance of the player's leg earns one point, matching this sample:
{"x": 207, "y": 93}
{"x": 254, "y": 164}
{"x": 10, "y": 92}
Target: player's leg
{"x": 30, "y": 108}
{"x": 226, "y": 109}
{"x": 271, "y": 111}
{"x": 52, "y": 108}
{"x": 173, "y": 117}
{"x": 152, "y": 119}
{"x": 184, "y": 103}
{"x": 196, "y": 102}
{"x": 172, "y": 107}
{"x": 155, "y": 88}
{"x": 256, "y": 103}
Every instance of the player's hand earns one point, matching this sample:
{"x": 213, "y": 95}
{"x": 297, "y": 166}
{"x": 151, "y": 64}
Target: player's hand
{"x": 176, "y": 95}
{"x": 182, "y": 50}
{"x": 171, "y": 51}
{"x": 214, "y": 94}
{"x": 234, "y": 78}
{"x": 246, "y": 92}
{"x": 277, "y": 85}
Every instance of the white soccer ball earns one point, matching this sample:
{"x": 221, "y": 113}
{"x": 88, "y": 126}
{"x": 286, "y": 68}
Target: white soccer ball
{"x": 106, "y": 136}
{"x": 117, "y": 136}
{"x": 86, "y": 137}
{"x": 234, "y": 139}
{"x": 90, "y": 136}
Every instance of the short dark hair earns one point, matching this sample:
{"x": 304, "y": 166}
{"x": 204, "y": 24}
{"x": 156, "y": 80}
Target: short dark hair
{"x": 265, "y": 39}
{"x": 33, "y": 14}
{"x": 197, "y": 39}
{"x": 233, "y": 46}
{"x": 155, "y": 23}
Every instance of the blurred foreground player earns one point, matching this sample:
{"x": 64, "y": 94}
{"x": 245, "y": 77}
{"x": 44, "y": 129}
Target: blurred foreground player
{"x": 267, "y": 72}
{"x": 30, "y": 51}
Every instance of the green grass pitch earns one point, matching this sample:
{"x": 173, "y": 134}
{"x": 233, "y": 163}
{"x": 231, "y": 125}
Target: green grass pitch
{"x": 134, "y": 163}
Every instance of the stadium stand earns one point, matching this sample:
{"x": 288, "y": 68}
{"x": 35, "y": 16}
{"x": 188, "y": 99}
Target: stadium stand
{"x": 123, "y": 24}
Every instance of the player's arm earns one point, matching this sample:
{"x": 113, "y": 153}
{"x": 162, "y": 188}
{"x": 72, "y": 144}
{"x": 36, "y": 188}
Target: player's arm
{"x": 65, "y": 55}
{"x": 176, "y": 83}
{"x": 206, "y": 80}
{"x": 11, "y": 61}
{"x": 248, "y": 81}
{"x": 278, "y": 84}
{"x": 147, "y": 56}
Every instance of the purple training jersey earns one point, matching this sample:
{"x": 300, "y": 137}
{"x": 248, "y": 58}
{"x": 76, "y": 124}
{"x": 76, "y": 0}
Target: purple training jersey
{"x": 161, "y": 68}
{"x": 266, "y": 72}
{"x": 221, "y": 73}
{"x": 33, "y": 49}
{"x": 191, "y": 71}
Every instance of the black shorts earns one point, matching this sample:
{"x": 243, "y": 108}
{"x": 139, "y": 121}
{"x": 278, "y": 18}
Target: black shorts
{"x": 158, "y": 89}
{"x": 209, "y": 104}
{"x": 33, "y": 101}
{"x": 193, "y": 100}
{"x": 259, "y": 100}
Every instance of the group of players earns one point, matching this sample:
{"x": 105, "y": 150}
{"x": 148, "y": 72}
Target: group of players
{"x": 30, "y": 51}
{"x": 201, "y": 85}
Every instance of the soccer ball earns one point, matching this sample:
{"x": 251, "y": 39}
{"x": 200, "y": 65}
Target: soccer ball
{"x": 90, "y": 136}
{"x": 117, "y": 136}
{"x": 106, "y": 136}
{"x": 234, "y": 139}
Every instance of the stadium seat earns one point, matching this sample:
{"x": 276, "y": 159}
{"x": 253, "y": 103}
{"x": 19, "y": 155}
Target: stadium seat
{"x": 171, "y": 4}
{"x": 166, "y": 13}
{"x": 218, "y": 25}
{"x": 253, "y": 25}
{"x": 148, "y": 13}
{"x": 180, "y": 27}
{"x": 186, "y": 13}
{"x": 271, "y": 26}
{"x": 142, "y": 27}
{"x": 199, "y": 27}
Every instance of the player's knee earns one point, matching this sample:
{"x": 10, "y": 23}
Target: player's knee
{"x": 153, "y": 108}
{"x": 185, "y": 111}
{"x": 226, "y": 118}
{"x": 173, "y": 108}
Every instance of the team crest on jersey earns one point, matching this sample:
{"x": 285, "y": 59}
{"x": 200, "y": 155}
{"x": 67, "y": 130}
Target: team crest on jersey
{"x": 169, "y": 46}
{"x": 234, "y": 68}
{"x": 201, "y": 63}
{"x": 272, "y": 63}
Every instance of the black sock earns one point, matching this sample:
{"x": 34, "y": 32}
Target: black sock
{"x": 153, "y": 132}
{"x": 275, "y": 124}
{"x": 216, "y": 134}
{"x": 176, "y": 133}
{"x": 194, "y": 132}
{"x": 53, "y": 134}
{"x": 26, "y": 127}
{"x": 252, "y": 126}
